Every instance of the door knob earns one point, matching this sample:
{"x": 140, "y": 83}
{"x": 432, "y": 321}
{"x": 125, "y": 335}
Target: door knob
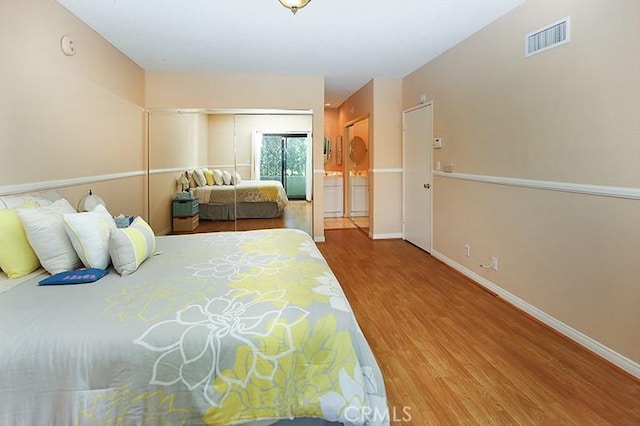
{"x": 427, "y": 185}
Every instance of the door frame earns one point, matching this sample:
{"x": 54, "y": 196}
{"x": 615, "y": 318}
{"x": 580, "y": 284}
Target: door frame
{"x": 346, "y": 202}
{"x": 404, "y": 174}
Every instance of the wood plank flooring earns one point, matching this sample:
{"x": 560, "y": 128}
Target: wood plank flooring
{"x": 452, "y": 353}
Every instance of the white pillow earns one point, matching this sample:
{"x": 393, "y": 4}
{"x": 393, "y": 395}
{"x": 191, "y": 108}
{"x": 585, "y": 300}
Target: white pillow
{"x": 238, "y": 179}
{"x": 218, "y": 176}
{"x": 43, "y": 199}
{"x": 199, "y": 177}
{"x": 131, "y": 246}
{"x": 89, "y": 235}
{"x": 44, "y": 227}
{"x": 226, "y": 177}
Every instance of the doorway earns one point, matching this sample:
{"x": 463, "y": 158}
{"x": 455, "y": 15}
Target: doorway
{"x": 283, "y": 157}
{"x": 417, "y": 149}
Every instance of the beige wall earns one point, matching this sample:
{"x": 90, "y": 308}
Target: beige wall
{"x": 565, "y": 115}
{"x": 221, "y": 137}
{"x": 69, "y": 117}
{"x": 386, "y": 157}
{"x": 216, "y": 91}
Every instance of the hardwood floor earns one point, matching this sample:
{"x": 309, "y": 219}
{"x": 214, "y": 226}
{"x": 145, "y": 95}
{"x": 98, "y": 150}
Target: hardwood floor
{"x": 452, "y": 353}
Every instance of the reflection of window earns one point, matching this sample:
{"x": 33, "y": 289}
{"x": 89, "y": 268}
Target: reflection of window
{"x": 283, "y": 157}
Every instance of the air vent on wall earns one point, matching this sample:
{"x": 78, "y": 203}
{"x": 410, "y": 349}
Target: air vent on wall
{"x": 546, "y": 38}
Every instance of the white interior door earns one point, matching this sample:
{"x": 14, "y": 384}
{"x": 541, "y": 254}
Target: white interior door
{"x": 417, "y": 136}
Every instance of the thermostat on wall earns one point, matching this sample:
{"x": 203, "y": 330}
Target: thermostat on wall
{"x": 437, "y": 143}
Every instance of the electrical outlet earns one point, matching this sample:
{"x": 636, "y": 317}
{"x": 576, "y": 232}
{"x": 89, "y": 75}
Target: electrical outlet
{"x": 467, "y": 250}
{"x": 494, "y": 263}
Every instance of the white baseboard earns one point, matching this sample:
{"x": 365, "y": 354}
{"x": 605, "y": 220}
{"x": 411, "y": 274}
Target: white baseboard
{"x": 319, "y": 239}
{"x": 387, "y": 236}
{"x": 610, "y": 355}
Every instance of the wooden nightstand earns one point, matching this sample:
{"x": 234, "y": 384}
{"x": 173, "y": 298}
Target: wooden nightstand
{"x": 185, "y": 215}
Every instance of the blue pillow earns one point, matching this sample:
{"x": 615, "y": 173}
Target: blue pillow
{"x": 76, "y": 276}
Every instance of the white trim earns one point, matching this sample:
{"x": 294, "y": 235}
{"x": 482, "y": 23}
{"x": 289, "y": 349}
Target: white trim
{"x": 318, "y": 171}
{"x": 394, "y": 236}
{"x": 381, "y": 171}
{"x": 578, "y": 188}
{"x": 333, "y": 214}
{"x": 182, "y": 169}
{"x": 226, "y": 166}
{"x": 230, "y": 111}
{"x": 171, "y": 170}
{"x": 612, "y": 356}
{"x": 62, "y": 183}
{"x": 319, "y": 239}
{"x": 417, "y": 107}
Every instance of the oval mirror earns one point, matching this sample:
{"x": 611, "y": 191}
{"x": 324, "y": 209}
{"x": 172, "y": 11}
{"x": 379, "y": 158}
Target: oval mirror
{"x": 357, "y": 149}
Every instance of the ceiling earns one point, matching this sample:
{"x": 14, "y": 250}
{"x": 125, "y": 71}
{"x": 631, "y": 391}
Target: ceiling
{"x": 349, "y": 42}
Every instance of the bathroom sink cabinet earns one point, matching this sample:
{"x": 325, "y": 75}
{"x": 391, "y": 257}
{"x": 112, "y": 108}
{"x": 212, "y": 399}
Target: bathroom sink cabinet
{"x": 333, "y": 196}
{"x": 359, "y": 196}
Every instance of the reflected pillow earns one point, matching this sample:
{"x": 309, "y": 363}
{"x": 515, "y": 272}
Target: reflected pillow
{"x": 208, "y": 175}
{"x": 226, "y": 177}
{"x": 17, "y": 258}
{"x": 89, "y": 235}
{"x": 199, "y": 177}
{"x": 217, "y": 174}
{"x": 44, "y": 227}
{"x": 131, "y": 246}
{"x": 191, "y": 175}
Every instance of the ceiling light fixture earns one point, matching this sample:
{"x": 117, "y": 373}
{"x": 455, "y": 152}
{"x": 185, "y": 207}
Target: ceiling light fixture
{"x": 294, "y": 5}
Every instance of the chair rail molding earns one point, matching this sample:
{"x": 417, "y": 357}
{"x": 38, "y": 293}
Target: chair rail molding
{"x": 578, "y": 188}
{"x": 63, "y": 183}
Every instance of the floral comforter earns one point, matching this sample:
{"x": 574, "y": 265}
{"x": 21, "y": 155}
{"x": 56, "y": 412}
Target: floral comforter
{"x": 224, "y": 328}
{"x": 247, "y": 191}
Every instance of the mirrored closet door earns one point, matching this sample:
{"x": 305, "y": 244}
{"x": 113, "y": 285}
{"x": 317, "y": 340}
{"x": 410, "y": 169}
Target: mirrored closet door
{"x": 256, "y": 169}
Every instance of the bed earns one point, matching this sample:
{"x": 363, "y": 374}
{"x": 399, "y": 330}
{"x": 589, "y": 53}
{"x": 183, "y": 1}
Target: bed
{"x": 247, "y": 199}
{"x": 222, "y": 328}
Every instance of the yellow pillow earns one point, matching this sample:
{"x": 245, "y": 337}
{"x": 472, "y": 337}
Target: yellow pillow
{"x": 17, "y": 258}
{"x": 208, "y": 175}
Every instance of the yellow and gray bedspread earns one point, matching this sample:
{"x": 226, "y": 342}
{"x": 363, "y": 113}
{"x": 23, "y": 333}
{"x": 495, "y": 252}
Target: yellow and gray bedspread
{"x": 221, "y": 328}
{"x": 248, "y": 191}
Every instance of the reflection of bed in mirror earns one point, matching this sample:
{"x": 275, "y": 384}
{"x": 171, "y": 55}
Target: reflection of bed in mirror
{"x": 249, "y": 199}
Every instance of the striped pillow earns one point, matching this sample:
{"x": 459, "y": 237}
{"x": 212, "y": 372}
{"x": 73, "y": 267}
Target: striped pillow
{"x": 129, "y": 247}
